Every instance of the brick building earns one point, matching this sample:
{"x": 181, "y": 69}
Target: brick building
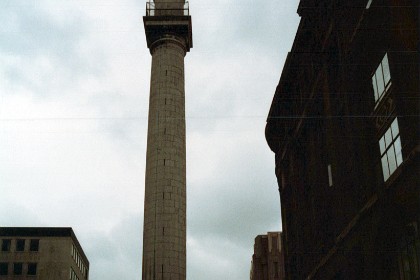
{"x": 41, "y": 253}
{"x": 267, "y": 260}
{"x": 344, "y": 127}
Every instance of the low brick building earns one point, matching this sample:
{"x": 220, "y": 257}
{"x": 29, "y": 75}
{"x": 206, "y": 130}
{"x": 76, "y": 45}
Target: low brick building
{"x": 267, "y": 260}
{"x": 41, "y": 253}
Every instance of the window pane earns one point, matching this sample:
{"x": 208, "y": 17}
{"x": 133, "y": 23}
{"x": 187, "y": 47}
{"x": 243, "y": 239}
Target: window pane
{"x": 20, "y": 245}
{"x": 4, "y": 269}
{"x": 5, "y": 246}
{"x": 32, "y": 269}
{"x": 388, "y": 138}
{"x": 395, "y": 129}
{"x": 385, "y": 169}
{"x": 385, "y": 67}
{"x": 391, "y": 160}
{"x": 380, "y": 80}
{"x": 330, "y": 181}
{"x": 17, "y": 268}
{"x": 382, "y": 145}
{"x": 34, "y": 245}
{"x": 398, "y": 152}
{"x": 375, "y": 89}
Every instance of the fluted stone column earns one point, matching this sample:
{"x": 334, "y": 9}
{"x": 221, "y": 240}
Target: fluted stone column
{"x": 164, "y": 232}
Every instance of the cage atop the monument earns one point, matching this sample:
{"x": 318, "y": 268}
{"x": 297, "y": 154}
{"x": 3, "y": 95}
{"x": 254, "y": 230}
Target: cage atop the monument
{"x": 174, "y": 8}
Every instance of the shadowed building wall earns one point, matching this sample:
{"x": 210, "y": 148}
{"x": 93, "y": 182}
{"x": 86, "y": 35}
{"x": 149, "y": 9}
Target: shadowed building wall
{"x": 344, "y": 127}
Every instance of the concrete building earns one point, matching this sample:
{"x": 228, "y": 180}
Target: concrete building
{"x": 267, "y": 260}
{"x": 344, "y": 127}
{"x": 169, "y": 37}
{"x": 41, "y": 253}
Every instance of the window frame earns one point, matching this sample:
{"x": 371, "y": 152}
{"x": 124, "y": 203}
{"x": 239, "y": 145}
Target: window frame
{"x": 32, "y": 269}
{"x": 389, "y": 142}
{"x": 34, "y": 245}
{"x": 383, "y": 74}
{"x": 20, "y": 247}
{"x": 6, "y": 245}
{"x": 4, "y": 266}
{"x": 330, "y": 177}
{"x": 20, "y": 270}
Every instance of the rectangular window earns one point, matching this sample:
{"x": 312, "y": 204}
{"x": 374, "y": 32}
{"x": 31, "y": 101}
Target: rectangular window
{"x": 20, "y": 245}
{"x": 73, "y": 275}
{"x": 5, "y": 245}
{"x": 276, "y": 270}
{"x": 32, "y": 268}
{"x": 330, "y": 181}
{"x": 390, "y": 147}
{"x": 34, "y": 245}
{"x": 74, "y": 252}
{"x": 274, "y": 243}
{"x": 17, "y": 268}
{"x": 4, "y": 268}
{"x": 381, "y": 80}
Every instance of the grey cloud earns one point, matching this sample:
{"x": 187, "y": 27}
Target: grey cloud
{"x": 14, "y": 214}
{"x": 227, "y": 210}
{"x": 120, "y": 249}
{"x": 30, "y": 33}
{"x": 237, "y": 203}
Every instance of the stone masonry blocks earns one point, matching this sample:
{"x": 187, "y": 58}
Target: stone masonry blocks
{"x": 164, "y": 237}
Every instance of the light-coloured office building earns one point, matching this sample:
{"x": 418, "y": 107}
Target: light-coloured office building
{"x": 41, "y": 253}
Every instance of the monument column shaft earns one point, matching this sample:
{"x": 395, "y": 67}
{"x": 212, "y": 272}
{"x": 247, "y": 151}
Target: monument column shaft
{"x": 164, "y": 236}
{"x": 169, "y": 37}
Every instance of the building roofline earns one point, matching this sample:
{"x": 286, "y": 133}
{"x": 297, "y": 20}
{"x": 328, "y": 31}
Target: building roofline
{"x": 36, "y": 231}
{"x": 44, "y": 232}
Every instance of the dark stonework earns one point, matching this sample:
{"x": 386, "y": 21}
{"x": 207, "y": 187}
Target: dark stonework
{"x": 342, "y": 216}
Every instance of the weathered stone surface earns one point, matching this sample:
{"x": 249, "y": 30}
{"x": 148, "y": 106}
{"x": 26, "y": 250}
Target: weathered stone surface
{"x": 164, "y": 233}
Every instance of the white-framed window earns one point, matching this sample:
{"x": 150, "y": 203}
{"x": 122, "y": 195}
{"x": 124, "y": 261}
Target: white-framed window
{"x": 381, "y": 80}
{"x": 390, "y": 147}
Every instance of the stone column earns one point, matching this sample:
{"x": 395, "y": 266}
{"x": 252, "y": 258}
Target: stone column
{"x": 164, "y": 232}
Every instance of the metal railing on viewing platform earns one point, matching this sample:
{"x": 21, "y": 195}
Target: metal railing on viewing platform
{"x": 167, "y": 9}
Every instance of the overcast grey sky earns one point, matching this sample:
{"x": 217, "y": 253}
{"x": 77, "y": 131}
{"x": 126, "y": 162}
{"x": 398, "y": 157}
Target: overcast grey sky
{"x": 74, "y": 89}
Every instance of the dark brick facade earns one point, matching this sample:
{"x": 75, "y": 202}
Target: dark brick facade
{"x": 344, "y": 127}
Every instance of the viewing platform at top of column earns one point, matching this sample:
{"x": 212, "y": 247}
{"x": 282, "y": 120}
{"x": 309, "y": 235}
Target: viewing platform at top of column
{"x": 166, "y": 19}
